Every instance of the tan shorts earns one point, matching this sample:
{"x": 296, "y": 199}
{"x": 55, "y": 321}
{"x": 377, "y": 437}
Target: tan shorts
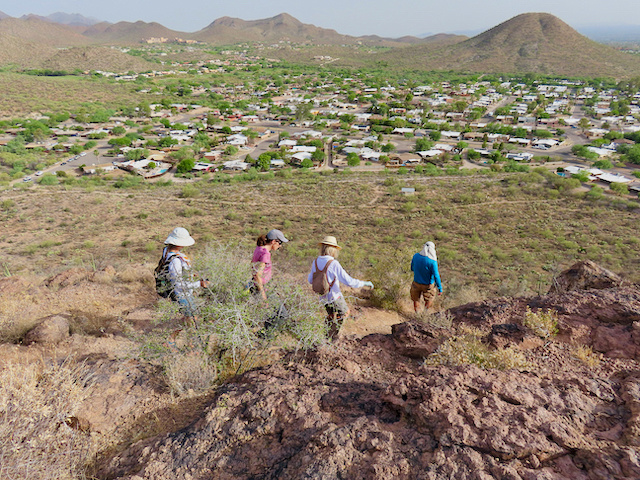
{"x": 427, "y": 291}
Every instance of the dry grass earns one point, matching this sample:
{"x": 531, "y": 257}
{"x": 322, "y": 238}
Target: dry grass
{"x": 466, "y": 348}
{"x": 190, "y": 373}
{"x": 542, "y": 323}
{"x": 586, "y": 355}
{"x": 442, "y": 319}
{"x": 38, "y": 405}
{"x": 499, "y": 246}
{"x": 22, "y": 94}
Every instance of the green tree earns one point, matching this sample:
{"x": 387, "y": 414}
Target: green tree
{"x": 166, "y": 142}
{"x": 136, "y": 154}
{"x": 584, "y": 124}
{"x": 120, "y": 142}
{"x": 231, "y": 150}
{"x": 423, "y": 144}
{"x": 603, "y": 163}
{"x": 186, "y": 165}
{"x": 264, "y": 162}
{"x": 388, "y": 147}
{"x": 318, "y": 155}
{"x": 353, "y": 160}
{"x": 473, "y": 154}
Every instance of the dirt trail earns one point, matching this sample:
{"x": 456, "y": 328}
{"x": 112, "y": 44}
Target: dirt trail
{"x": 370, "y": 320}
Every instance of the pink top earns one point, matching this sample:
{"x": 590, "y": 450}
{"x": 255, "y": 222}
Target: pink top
{"x": 263, "y": 255}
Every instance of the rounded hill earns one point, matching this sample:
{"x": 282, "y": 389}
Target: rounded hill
{"x": 531, "y": 42}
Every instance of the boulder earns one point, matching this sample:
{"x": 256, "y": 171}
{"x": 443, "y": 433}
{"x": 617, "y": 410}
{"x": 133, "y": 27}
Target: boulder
{"x": 53, "y": 329}
{"x": 73, "y": 276}
{"x": 415, "y": 339}
{"x": 512, "y": 335}
{"x": 585, "y": 275}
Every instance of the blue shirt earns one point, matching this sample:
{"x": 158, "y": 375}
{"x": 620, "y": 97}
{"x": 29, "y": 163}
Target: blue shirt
{"x": 425, "y": 271}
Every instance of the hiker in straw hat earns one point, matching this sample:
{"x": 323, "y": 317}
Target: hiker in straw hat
{"x": 177, "y": 267}
{"x": 325, "y": 277}
{"x": 426, "y": 277}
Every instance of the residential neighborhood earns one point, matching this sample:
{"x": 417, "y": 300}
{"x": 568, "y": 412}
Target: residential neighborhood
{"x": 334, "y": 123}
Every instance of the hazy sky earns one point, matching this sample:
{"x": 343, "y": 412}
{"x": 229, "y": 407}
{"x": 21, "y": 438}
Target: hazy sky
{"x": 390, "y": 18}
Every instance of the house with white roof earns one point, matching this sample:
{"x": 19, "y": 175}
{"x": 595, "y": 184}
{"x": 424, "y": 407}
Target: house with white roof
{"x": 238, "y": 139}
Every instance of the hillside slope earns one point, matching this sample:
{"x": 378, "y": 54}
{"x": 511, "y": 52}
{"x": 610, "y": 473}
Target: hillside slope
{"x": 375, "y": 409}
{"x": 531, "y": 42}
{"x": 41, "y": 32}
{"x": 124, "y": 33}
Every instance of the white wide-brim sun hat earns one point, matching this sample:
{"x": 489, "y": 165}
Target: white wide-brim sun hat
{"x": 331, "y": 241}
{"x": 180, "y": 237}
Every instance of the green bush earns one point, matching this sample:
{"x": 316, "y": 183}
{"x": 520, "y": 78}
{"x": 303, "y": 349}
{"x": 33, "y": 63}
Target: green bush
{"x": 189, "y": 191}
{"x": 229, "y": 335}
{"x": 619, "y": 188}
{"x": 186, "y": 165}
{"x": 48, "y": 179}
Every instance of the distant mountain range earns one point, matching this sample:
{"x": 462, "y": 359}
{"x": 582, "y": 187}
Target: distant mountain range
{"x": 532, "y": 42}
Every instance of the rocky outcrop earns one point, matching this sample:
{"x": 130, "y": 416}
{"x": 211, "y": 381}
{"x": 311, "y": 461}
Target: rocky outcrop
{"x": 53, "y": 329}
{"x": 373, "y": 409}
{"x": 585, "y": 275}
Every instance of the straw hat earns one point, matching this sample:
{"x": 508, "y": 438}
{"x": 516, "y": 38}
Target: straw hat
{"x": 179, "y": 237}
{"x": 331, "y": 241}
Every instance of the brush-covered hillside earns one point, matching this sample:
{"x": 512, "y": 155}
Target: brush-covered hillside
{"x": 127, "y": 33}
{"x": 502, "y": 379}
{"x": 531, "y": 42}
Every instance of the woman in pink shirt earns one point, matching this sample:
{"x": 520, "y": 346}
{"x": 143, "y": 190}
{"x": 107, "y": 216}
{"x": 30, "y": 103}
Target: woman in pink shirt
{"x": 262, "y": 260}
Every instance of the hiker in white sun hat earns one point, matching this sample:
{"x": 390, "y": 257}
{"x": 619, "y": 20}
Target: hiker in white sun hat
{"x": 426, "y": 278}
{"x": 174, "y": 269}
{"x": 325, "y": 277}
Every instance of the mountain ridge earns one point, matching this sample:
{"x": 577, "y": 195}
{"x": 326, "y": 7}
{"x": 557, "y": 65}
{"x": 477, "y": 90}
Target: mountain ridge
{"x": 528, "y": 43}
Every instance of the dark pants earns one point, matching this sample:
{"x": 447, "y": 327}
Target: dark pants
{"x": 336, "y": 314}
{"x": 280, "y": 314}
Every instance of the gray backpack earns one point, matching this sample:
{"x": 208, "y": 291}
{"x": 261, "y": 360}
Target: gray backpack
{"x": 319, "y": 281}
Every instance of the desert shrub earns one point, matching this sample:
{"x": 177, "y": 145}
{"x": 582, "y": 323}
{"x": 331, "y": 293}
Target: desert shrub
{"x": 189, "y": 212}
{"x": 128, "y": 181}
{"x": 442, "y": 319}
{"x": 391, "y": 275}
{"x": 7, "y": 204}
{"x": 458, "y": 293}
{"x": 596, "y": 193}
{"x": 542, "y": 323}
{"x": 38, "y": 425}
{"x": 586, "y": 355}
{"x": 189, "y": 191}
{"x": 190, "y": 373}
{"x": 48, "y": 179}
{"x": 466, "y": 348}
{"x": 229, "y": 335}
{"x": 619, "y": 188}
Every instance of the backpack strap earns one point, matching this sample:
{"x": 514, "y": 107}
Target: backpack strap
{"x": 165, "y": 259}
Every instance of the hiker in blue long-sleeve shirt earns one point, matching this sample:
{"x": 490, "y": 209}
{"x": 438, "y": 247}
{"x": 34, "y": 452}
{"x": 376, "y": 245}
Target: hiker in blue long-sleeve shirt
{"x": 426, "y": 278}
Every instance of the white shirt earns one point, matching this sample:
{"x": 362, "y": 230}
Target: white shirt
{"x": 179, "y": 274}
{"x": 335, "y": 271}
